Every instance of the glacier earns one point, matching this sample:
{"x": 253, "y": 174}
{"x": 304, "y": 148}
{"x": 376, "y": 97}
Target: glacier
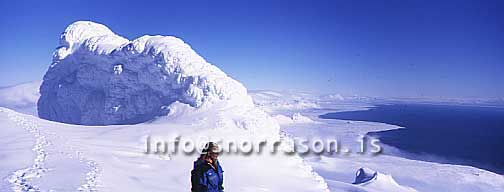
{"x": 100, "y": 78}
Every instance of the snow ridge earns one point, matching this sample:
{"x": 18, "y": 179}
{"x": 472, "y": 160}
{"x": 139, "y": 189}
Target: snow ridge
{"x": 100, "y": 78}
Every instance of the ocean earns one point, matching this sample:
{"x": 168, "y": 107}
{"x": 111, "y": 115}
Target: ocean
{"x": 467, "y": 135}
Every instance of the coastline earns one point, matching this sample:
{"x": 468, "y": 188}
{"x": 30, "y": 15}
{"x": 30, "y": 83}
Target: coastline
{"x": 390, "y": 139}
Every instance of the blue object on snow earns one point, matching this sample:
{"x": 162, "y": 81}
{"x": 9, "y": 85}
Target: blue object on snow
{"x": 364, "y": 175}
{"x": 205, "y": 178}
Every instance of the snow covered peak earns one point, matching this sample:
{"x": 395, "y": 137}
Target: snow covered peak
{"x": 82, "y": 30}
{"x": 98, "y": 77}
{"x": 87, "y": 32}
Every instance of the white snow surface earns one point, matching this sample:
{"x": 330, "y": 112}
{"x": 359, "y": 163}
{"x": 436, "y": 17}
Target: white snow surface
{"x": 395, "y": 173}
{"x": 95, "y": 70}
{"x": 44, "y": 155}
{"x": 271, "y": 101}
{"x": 295, "y": 118}
{"x": 22, "y": 97}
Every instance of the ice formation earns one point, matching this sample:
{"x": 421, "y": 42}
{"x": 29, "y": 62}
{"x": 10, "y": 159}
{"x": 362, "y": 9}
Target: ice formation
{"x": 374, "y": 180}
{"x": 100, "y": 78}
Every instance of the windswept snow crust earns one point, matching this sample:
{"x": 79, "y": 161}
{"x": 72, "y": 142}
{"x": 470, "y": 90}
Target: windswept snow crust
{"x": 112, "y": 158}
{"x": 100, "y": 78}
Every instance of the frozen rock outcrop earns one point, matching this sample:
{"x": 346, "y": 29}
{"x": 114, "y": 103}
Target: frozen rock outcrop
{"x": 376, "y": 181}
{"x": 100, "y": 78}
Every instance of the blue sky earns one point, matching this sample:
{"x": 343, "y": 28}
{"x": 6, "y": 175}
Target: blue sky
{"x": 391, "y": 48}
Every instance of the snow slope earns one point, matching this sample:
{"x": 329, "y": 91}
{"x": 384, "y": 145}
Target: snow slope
{"x": 100, "y": 78}
{"x": 338, "y": 170}
{"x": 111, "y": 158}
{"x": 22, "y": 97}
{"x": 275, "y": 101}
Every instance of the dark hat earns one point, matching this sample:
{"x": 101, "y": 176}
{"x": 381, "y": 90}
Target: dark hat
{"x": 210, "y": 145}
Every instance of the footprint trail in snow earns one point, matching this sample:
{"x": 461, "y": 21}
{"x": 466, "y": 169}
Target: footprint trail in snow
{"x": 25, "y": 180}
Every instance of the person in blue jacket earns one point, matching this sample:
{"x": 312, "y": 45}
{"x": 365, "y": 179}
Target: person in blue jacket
{"x": 207, "y": 174}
